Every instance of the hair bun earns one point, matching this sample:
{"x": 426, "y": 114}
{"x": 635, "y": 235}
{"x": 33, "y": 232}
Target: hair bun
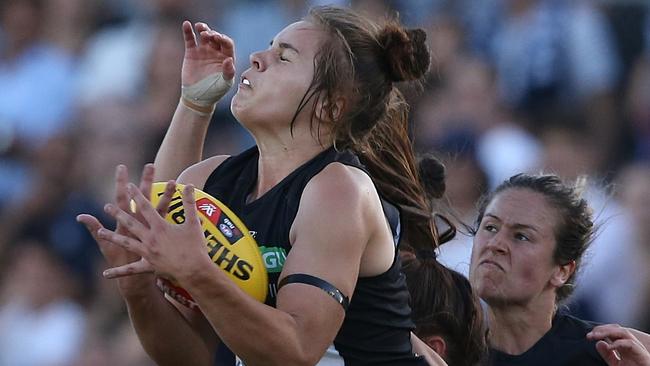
{"x": 432, "y": 174}
{"x": 406, "y": 52}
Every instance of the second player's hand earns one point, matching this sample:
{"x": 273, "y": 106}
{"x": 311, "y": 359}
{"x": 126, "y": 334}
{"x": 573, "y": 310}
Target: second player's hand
{"x": 618, "y": 346}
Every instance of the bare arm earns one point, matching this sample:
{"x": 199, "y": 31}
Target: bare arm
{"x": 170, "y": 334}
{"x": 185, "y": 330}
{"x": 211, "y": 54}
{"x": 185, "y": 340}
{"x": 306, "y": 319}
{"x": 183, "y": 143}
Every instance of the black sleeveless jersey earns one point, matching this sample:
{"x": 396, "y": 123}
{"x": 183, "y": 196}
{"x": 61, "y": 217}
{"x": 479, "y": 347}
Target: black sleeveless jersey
{"x": 565, "y": 344}
{"x": 377, "y": 325}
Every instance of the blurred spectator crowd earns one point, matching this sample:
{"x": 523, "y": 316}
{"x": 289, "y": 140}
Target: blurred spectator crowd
{"x": 515, "y": 86}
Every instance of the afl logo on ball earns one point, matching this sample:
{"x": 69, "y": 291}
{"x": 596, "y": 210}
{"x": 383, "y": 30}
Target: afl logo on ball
{"x": 225, "y": 230}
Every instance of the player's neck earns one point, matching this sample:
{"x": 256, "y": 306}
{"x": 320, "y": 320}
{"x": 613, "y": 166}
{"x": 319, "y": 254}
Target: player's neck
{"x": 514, "y": 330}
{"x": 276, "y": 162}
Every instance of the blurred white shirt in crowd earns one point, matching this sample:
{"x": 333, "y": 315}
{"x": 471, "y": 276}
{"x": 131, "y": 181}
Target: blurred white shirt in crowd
{"x": 52, "y": 336}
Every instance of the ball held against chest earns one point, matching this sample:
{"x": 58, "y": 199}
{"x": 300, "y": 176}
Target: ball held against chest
{"x": 228, "y": 243}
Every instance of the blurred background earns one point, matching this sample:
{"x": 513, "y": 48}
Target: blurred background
{"x": 516, "y": 86}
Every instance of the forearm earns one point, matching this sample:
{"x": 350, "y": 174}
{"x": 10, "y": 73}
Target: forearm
{"x": 257, "y": 333}
{"x": 183, "y": 143}
{"x": 166, "y": 336}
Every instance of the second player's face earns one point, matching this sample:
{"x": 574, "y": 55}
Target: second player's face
{"x": 271, "y": 90}
{"x": 512, "y": 257}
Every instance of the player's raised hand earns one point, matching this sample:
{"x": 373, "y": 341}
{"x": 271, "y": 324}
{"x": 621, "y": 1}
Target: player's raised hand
{"x": 206, "y": 52}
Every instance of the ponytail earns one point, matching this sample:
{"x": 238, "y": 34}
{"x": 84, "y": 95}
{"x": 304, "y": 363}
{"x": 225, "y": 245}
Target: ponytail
{"x": 363, "y": 61}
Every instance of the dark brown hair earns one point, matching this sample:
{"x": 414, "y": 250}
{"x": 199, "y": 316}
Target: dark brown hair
{"x": 574, "y": 230}
{"x": 361, "y": 61}
{"x": 443, "y": 304}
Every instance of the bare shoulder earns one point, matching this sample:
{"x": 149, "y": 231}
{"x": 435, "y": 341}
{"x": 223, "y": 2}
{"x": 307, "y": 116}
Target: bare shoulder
{"x": 198, "y": 173}
{"x": 344, "y": 198}
{"x": 333, "y": 217}
{"x": 328, "y": 238}
{"x": 342, "y": 184}
{"x": 338, "y": 196}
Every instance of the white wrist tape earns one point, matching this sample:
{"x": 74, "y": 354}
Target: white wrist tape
{"x": 208, "y": 91}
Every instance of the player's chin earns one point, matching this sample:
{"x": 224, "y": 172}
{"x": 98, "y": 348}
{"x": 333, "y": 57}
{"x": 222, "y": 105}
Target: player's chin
{"x": 248, "y": 115}
{"x": 238, "y": 107}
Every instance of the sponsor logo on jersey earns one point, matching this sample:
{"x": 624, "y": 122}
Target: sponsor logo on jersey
{"x": 273, "y": 291}
{"x": 273, "y": 258}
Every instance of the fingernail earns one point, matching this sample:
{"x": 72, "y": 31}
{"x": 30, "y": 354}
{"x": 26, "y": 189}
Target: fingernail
{"x": 107, "y": 207}
{"x": 106, "y": 273}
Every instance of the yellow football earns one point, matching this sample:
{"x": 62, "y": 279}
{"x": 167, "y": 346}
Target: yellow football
{"x": 228, "y": 243}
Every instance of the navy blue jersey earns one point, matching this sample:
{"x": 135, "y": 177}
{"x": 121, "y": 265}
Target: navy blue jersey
{"x": 565, "y": 344}
{"x": 377, "y": 325}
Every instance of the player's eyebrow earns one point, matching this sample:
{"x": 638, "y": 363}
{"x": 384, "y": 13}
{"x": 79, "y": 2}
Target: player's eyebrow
{"x": 285, "y": 45}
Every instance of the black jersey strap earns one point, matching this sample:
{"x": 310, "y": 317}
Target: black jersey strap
{"x": 317, "y": 282}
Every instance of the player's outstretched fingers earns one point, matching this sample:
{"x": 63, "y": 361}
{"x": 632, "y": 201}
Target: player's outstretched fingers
{"x": 206, "y": 38}
{"x": 121, "y": 193}
{"x": 228, "y": 68}
{"x": 214, "y": 39}
{"x": 201, "y": 27}
{"x": 147, "y": 179}
{"x": 139, "y": 267}
{"x": 227, "y": 45}
{"x": 125, "y": 219}
{"x": 126, "y": 242}
{"x": 91, "y": 223}
{"x": 189, "y": 206}
{"x": 143, "y": 205}
{"x": 188, "y": 35}
{"x": 163, "y": 204}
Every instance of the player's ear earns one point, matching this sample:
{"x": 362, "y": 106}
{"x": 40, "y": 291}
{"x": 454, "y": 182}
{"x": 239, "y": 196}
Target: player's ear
{"x": 330, "y": 110}
{"x": 437, "y": 343}
{"x": 562, "y": 274}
